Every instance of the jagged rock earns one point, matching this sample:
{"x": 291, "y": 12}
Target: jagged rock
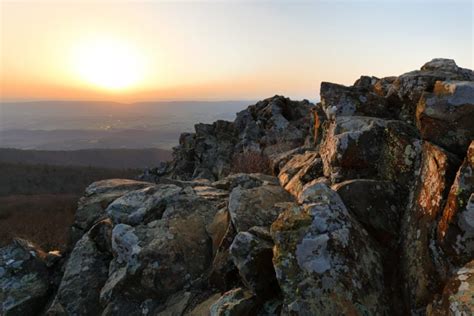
{"x": 278, "y": 160}
{"x": 24, "y": 279}
{"x": 273, "y": 125}
{"x": 211, "y": 193}
{"x": 154, "y": 262}
{"x": 252, "y": 255}
{"x": 445, "y": 117}
{"x": 295, "y": 164}
{"x": 255, "y": 206}
{"x": 224, "y": 273}
{"x": 85, "y": 273}
{"x": 418, "y": 262}
{"x": 455, "y": 233}
{"x": 206, "y": 153}
{"x": 356, "y": 100}
{"x": 143, "y": 205}
{"x": 458, "y": 294}
{"x": 300, "y": 170}
{"x": 97, "y": 197}
{"x": 365, "y": 147}
{"x": 318, "y": 117}
{"x": 235, "y": 303}
{"x": 325, "y": 261}
{"x": 315, "y": 191}
{"x": 218, "y": 228}
{"x": 244, "y": 180}
{"x": 409, "y": 87}
{"x": 374, "y": 203}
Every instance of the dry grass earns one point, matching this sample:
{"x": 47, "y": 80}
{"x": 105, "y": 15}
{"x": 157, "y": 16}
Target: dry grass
{"x": 44, "y": 219}
{"x": 251, "y": 162}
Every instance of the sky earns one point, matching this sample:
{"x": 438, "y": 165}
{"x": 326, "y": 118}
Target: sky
{"x": 130, "y": 51}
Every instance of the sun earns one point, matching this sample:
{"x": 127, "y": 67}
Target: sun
{"x": 108, "y": 64}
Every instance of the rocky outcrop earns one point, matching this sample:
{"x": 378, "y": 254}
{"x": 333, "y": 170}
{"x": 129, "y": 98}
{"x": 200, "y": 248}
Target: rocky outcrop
{"x": 326, "y": 261}
{"x": 444, "y": 116}
{"x": 369, "y": 211}
{"x": 455, "y": 231}
{"x": 425, "y": 207}
{"x": 24, "y": 279}
{"x": 269, "y": 127}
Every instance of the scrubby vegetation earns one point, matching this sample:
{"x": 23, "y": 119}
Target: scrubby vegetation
{"x": 251, "y": 162}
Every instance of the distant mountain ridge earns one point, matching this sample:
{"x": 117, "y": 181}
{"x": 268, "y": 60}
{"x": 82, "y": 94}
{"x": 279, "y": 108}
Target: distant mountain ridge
{"x": 104, "y": 158}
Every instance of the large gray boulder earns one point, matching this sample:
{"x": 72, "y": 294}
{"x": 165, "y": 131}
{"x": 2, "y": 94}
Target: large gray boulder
{"x": 24, "y": 279}
{"x": 445, "y": 116}
{"x": 325, "y": 261}
{"x": 372, "y": 148}
{"x": 407, "y": 89}
{"x": 256, "y": 206}
{"x": 97, "y": 196}
{"x": 85, "y": 273}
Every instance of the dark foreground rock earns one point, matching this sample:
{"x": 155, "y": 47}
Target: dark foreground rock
{"x": 369, "y": 211}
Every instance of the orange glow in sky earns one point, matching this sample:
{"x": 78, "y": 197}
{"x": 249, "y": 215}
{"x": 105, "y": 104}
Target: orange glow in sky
{"x": 137, "y": 50}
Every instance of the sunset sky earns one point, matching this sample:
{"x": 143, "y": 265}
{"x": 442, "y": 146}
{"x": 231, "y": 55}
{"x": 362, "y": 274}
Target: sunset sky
{"x": 154, "y": 50}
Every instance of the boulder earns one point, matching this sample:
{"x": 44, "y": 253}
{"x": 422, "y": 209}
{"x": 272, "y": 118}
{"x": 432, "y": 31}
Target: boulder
{"x": 244, "y": 180}
{"x": 408, "y": 88}
{"x": 24, "y": 279}
{"x": 371, "y": 148}
{"x": 375, "y": 203}
{"x": 458, "y": 294}
{"x": 455, "y": 231}
{"x": 325, "y": 261}
{"x": 273, "y": 125}
{"x": 252, "y": 254}
{"x": 155, "y": 259}
{"x": 235, "y": 303}
{"x": 300, "y": 170}
{"x": 445, "y": 116}
{"x": 97, "y": 197}
{"x": 255, "y": 206}
{"x": 357, "y": 100}
{"x": 278, "y": 160}
{"x": 143, "y": 205}
{"x": 418, "y": 262}
{"x": 85, "y": 273}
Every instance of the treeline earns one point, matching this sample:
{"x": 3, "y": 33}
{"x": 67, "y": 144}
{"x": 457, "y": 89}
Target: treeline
{"x": 104, "y": 158}
{"x": 20, "y": 178}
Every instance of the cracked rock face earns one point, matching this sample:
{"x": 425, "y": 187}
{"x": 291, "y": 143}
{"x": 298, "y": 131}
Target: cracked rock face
{"x": 425, "y": 206}
{"x": 252, "y": 254}
{"x": 256, "y": 206}
{"x": 325, "y": 261}
{"x": 457, "y": 298}
{"x": 455, "y": 231}
{"x": 366, "y": 147}
{"x": 24, "y": 282}
{"x": 444, "y": 117}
